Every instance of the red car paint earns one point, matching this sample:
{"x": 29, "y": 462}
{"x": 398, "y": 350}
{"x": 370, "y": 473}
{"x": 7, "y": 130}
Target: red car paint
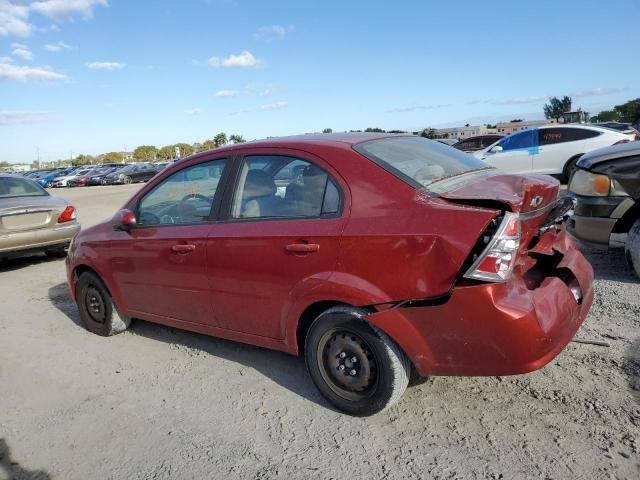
{"x": 393, "y": 249}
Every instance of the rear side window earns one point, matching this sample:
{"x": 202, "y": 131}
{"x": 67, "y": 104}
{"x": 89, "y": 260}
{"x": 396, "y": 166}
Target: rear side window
{"x": 550, "y": 136}
{"x": 275, "y": 186}
{"x": 470, "y": 144}
{"x": 418, "y": 161}
{"x": 524, "y": 139}
{"x": 20, "y": 187}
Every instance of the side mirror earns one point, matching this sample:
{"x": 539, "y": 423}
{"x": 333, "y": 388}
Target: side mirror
{"x": 124, "y": 220}
{"x": 496, "y": 149}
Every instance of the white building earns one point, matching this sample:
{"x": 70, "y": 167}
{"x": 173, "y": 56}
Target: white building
{"x": 460, "y": 133}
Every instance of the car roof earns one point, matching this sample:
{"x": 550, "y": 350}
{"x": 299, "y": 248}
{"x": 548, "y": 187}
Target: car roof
{"x": 629, "y": 149}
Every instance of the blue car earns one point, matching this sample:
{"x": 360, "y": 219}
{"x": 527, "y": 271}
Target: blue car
{"x": 46, "y": 180}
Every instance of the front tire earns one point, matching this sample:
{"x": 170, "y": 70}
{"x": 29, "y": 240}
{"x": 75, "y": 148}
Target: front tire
{"x": 356, "y": 367}
{"x": 127, "y": 180}
{"x": 60, "y": 252}
{"x": 632, "y": 248}
{"x": 97, "y": 310}
{"x": 569, "y": 168}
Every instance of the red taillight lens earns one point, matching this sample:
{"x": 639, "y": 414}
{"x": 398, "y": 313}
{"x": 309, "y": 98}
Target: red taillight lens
{"x": 67, "y": 215}
{"x": 496, "y": 262}
{"x": 620, "y": 142}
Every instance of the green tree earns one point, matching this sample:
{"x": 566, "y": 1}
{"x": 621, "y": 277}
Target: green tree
{"x": 185, "y": 149}
{"x": 629, "y": 112}
{"x": 429, "y": 133}
{"x": 374, "y": 130}
{"x": 207, "y": 145}
{"x": 235, "y": 138}
{"x": 113, "y": 157}
{"x": 327, "y": 130}
{"x": 220, "y": 139}
{"x": 556, "y": 107}
{"x": 5, "y": 164}
{"x": 145, "y": 153}
{"x": 606, "y": 116}
{"x": 82, "y": 160}
{"x": 168, "y": 152}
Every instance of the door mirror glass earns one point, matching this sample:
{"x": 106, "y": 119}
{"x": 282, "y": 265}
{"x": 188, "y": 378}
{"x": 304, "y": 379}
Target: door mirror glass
{"x": 496, "y": 149}
{"x": 124, "y": 220}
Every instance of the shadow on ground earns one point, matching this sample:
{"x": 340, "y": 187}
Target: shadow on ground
{"x": 631, "y": 368}
{"x": 11, "y": 264}
{"x": 284, "y": 369}
{"x": 609, "y": 265}
{"x": 12, "y": 470}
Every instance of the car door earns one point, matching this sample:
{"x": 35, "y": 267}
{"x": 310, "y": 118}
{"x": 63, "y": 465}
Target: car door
{"x": 161, "y": 264}
{"x": 516, "y": 152}
{"x": 280, "y": 239}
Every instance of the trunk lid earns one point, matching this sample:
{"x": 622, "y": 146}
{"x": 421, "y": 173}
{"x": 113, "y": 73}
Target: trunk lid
{"x": 29, "y": 213}
{"x": 531, "y": 196}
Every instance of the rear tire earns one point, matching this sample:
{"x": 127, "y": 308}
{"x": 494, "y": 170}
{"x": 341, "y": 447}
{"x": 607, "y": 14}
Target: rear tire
{"x": 632, "y": 248}
{"x": 97, "y": 310}
{"x": 356, "y": 367}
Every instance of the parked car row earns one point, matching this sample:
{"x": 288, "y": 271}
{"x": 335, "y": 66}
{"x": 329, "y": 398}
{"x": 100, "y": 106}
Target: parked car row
{"x": 102, "y": 174}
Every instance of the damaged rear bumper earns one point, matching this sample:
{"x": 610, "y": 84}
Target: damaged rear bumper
{"x": 499, "y": 328}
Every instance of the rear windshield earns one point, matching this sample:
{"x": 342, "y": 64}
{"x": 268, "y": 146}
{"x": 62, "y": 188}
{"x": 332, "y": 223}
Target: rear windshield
{"x": 418, "y": 161}
{"x": 20, "y": 187}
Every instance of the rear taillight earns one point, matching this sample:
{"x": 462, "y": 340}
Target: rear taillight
{"x": 67, "y": 215}
{"x": 620, "y": 142}
{"x": 497, "y": 260}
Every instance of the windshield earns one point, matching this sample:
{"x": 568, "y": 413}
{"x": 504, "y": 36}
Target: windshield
{"x": 418, "y": 161}
{"x": 11, "y": 187}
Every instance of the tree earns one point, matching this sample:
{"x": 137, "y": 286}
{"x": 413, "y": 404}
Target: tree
{"x": 629, "y": 112}
{"x": 220, "y": 139}
{"x": 82, "y": 160}
{"x": 516, "y": 120}
{"x": 429, "y": 133}
{"x": 327, "y": 130}
{"x": 606, "y": 116}
{"x": 374, "y": 130}
{"x": 113, "y": 157}
{"x": 168, "y": 152}
{"x": 185, "y": 149}
{"x": 207, "y": 145}
{"x": 556, "y": 107}
{"x": 236, "y": 138}
{"x": 145, "y": 153}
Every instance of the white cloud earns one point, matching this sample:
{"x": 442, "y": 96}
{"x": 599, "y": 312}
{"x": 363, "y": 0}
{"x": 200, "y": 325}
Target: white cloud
{"x": 8, "y": 117}
{"x": 244, "y": 59}
{"x": 274, "y": 106}
{"x": 194, "y": 112}
{"x": 520, "y": 101}
{"x": 64, "y": 9}
{"x": 417, "y": 107}
{"x": 13, "y": 20}
{"x": 23, "y": 73}
{"x": 57, "y": 47}
{"x": 597, "y": 92}
{"x": 22, "y": 51}
{"x": 6, "y": 59}
{"x": 226, "y": 93}
{"x": 105, "y": 65}
{"x": 267, "y": 92}
{"x": 272, "y": 32}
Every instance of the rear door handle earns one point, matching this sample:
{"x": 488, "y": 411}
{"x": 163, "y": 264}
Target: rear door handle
{"x": 182, "y": 248}
{"x": 302, "y": 247}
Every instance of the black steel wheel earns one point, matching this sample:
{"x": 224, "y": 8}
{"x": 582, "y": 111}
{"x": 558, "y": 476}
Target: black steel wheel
{"x": 356, "y": 367}
{"x": 97, "y": 310}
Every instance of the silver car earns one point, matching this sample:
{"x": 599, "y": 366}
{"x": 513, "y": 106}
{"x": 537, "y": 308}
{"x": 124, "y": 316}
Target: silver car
{"x": 33, "y": 220}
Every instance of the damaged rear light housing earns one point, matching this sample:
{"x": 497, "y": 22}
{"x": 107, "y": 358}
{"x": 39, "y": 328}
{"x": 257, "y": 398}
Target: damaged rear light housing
{"x": 497, "y": 260}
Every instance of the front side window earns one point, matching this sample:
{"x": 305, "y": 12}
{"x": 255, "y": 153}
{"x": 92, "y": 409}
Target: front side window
{"x": 185, "y": 197}
{"x": 11, "y": 187}
{"x": 276, "y": 186}
{"x": 524, "y": 139}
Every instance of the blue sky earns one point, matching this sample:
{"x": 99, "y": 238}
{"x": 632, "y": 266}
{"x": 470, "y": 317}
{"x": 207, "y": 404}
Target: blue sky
{"x": 91, "y": 76}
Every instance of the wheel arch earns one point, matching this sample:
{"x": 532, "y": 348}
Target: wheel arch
{"x": 624, "y": 223}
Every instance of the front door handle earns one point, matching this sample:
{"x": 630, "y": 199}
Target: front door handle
{"x": 302, "y": 247}
{"x": 182, "y": 248}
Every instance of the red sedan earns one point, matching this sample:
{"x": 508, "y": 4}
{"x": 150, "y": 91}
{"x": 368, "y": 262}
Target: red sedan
{"x": 378, "y": 257}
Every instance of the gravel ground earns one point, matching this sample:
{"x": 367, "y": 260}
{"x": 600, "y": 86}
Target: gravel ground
{"x": 158, "y": 403}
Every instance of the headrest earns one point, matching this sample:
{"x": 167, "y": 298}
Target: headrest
{"x": 258, "y": 184}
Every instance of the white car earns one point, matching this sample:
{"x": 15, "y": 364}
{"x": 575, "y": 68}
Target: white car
{"x": 552, "y": 150}
{"x": 64, "y": 180}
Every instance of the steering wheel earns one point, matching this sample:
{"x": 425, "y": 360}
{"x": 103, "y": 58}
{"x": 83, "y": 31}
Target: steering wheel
{"x": 186, "y": 198}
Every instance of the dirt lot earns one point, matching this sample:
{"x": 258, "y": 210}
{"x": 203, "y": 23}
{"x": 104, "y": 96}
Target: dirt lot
{"x": 160, "y": 403}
